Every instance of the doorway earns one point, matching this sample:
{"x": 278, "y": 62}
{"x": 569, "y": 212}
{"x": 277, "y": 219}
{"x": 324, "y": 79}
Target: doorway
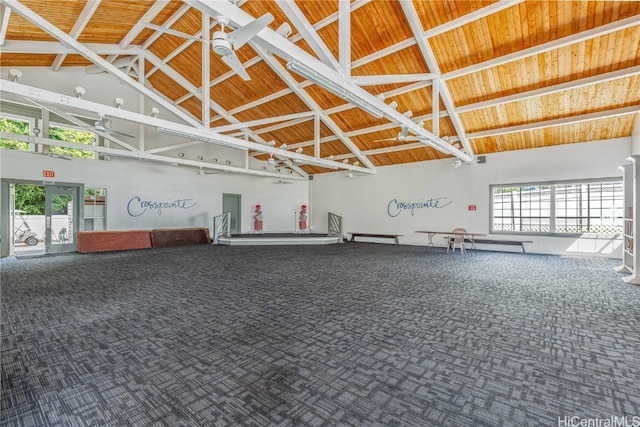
{"x": 231, "y": 203}
{"x": 39, "y": 219}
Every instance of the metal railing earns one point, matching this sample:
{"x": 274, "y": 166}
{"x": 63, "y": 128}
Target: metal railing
{"x": 221, "y": 226}
{"x": 335, "y": 226}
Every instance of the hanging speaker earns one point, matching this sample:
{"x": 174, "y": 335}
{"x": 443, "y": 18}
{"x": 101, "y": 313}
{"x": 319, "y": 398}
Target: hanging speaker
{"x": 481, "y": 159}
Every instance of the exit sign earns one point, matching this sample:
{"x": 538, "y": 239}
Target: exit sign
{"x": 473, "y": 208}
{"x": 48, "y": 174}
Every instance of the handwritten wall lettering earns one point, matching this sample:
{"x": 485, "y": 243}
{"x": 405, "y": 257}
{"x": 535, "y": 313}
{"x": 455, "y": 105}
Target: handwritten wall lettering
{"x": 137, "y": 206}
{"x": 395, "y": 207}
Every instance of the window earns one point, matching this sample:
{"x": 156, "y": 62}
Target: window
{"x": 94, "y": 209}
{"x": 563, "y": 207}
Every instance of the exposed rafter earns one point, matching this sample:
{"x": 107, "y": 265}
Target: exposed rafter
{"x": 64, "y": 38}
{"x": 545, "y": 47}
{"x": 82, "y": 21}
{"x": 556, "y": 122}
{"x": 414, "y": 22}
{"x": 273, "y": 42}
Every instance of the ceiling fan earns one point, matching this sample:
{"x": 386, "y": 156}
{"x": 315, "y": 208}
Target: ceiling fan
{"x": 104, "y": 125}
{"x": 225, "y": 44}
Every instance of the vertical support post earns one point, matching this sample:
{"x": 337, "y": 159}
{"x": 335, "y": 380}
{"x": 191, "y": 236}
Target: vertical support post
{"x": 206, "y": 72}
{"x": 344, "y": 22}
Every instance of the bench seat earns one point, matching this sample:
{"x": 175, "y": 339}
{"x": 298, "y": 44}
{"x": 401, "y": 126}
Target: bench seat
{"x": 376, "y": 235}
{"x": 486, "y": 241}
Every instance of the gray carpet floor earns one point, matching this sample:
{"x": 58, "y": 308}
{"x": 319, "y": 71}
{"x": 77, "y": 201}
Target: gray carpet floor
{"x": 356, "y": 334}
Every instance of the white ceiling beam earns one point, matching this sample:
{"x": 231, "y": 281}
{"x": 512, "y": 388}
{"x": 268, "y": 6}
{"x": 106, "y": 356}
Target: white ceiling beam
{"x": 174, "y": 146}
{"x": 206, "y": 74}
{"x": 313, "y": 105}
{"x": 385, "y": 150}
{"x": 168, "y": 23}
{"x": 261, "y": 101}
{"x": 435, "y": 103}
{"x": 545, "y": 47}
{"x": 139, "y": 26}
{"x": 76, "y": 121}
{"x": 272, "y": 41}
{"x": 186, "y": 131}
{"x": 447, "y": 26}
{"x": 55, "y": 48}
{"x": 63, "y": 37}
{"x": 561, "y": 87}
{"x": 411, "y": 15}
{"x": 120, "y": 63}
{"x": 470, "y": 17}
{"x": 82, "y": 21}
{"x": 143, "y": 156}
{"x": 344, "y": 36}
{"x": 385, "y": 79}
{"x": 284, "y": 125}
{"x": 304, "y": 27}
{"x": 260, "y": 122}
{"x": 556, "y": 122}
{"x": 5, "y": 14}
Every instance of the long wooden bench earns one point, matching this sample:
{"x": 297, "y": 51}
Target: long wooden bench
{"x": 500, "y": 242}
{"x": 376, "y": 235}
{"x": 113, "y": 240}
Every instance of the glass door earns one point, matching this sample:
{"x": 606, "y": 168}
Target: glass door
{"x": 12, "y": 212}
{"x": 61, "y": 218}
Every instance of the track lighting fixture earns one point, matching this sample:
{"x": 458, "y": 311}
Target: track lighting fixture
{"x": 180, "y": 154}
{"x": 15, "y": 74}
{"x": 79, "y": 91}
{"x": 393, "y": 104}
{"x": 118, "y": 102}
{"x": 155, "y": 111}
{"x": 36, "y": 131}
{"x": 271, "y": 160}
{"x": 200, "y": 158}
{"x": 214, "y": 160}
{"x": 228, "y": 162}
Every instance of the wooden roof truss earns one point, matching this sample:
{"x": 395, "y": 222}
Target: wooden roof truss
{"x": 449, "y": 78}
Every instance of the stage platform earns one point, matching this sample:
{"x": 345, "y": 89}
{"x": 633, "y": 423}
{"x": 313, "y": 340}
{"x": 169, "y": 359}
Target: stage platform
{"x": 278, "y": 239}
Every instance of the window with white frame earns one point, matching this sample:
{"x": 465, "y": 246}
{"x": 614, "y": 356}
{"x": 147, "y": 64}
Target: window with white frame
{"x": 560, "y": 207}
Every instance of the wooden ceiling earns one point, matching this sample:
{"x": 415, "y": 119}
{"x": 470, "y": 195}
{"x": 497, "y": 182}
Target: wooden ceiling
{"x": 510, "y": 75}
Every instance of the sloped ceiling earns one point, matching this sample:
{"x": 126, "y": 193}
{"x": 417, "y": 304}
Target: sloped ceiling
{"x": 466, "y": 78}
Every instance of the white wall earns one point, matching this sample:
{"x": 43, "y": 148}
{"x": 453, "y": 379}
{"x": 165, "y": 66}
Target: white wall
{"x": 363, "y": 201}
{"x": 128, "y": 179}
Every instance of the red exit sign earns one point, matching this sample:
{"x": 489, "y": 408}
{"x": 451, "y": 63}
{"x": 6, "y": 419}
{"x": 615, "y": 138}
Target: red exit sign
{"x": 473, "y": 208}
{"x": 49, "y": 174}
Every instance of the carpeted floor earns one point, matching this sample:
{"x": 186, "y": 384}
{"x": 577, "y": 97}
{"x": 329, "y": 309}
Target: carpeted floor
{"x": 356, "y": 334}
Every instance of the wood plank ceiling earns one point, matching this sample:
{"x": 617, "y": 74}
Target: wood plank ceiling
{"x": 509, "y": 75}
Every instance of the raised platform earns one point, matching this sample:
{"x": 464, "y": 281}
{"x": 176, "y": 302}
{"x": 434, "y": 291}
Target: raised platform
{"x": 278, "y": 239}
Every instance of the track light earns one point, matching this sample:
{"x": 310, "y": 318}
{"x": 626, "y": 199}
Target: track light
{"x": 228, "y": 162}
{"x": 271, "y": 143}
{"x": 79, "y": 91}
{"x": 333, "y": 87}
{"x": 15, "y": 74}
{"x": 331, "y": 157}
{"x": 118, "y": 102}
{"x": 180, "y": 154}
{"x": 200, "y": 158}
{"x": 154, "y": 112}
{"x": 356, "y": 163}
{"x": 299, "y": 150}
{"x": 214, "y": 160}
{"x": 408, "y": 114}
{"x": 393, "y": 104}
{"x": 345, "y": 161}
{"x": 271, "y": 160}
{"x": 36, "y": 131}
{"x": 283, "y": 146}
